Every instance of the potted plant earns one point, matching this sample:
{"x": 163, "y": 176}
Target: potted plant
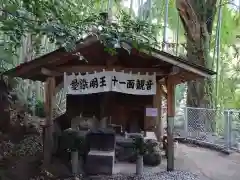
{"x": 140, "y": 150}
{"x": 152, "y": 156}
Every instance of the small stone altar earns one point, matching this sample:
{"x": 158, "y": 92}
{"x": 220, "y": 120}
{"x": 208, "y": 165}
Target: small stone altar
{"x": 101, "y": 156}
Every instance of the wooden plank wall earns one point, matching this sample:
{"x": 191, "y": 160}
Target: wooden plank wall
{"x": 120, "y": 107}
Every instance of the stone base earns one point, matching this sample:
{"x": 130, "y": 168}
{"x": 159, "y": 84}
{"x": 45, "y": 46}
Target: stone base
{"x": 100, "y": 162}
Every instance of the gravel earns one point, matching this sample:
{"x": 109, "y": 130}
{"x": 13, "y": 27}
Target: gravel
{"x": 29, "y": 146}
{"x": 6, "y": 148}
{"x": 175, "y": 175}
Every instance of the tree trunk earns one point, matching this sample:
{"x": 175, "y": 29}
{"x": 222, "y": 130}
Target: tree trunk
{"x": 5, "y": 113}
{"x": 4, "y": 107}
{"x": 197, "y": 96}
{"x": 197, "y": 19}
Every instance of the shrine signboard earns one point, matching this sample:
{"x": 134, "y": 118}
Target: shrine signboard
{"x": 151, "y": 112}
{"x": 110, "y": 81}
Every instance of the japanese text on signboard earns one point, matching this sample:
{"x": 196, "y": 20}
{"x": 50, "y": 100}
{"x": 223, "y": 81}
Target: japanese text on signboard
{"x": 110, "y": 81}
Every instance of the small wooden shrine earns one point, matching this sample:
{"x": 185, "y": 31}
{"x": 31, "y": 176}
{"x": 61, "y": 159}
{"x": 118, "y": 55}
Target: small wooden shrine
{"x": 129, "y": 103}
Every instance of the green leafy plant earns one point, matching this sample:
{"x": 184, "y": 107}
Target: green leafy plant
{"x": 39, "y": 109}
{"x": 64, "y": 25}
{"x": 139, "y": 146}
{"x": 72, "y": 141}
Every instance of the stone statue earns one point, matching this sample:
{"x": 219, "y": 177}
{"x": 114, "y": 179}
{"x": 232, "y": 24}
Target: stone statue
{"x": 103, "y": 122}
{"x": 83, "y": 123}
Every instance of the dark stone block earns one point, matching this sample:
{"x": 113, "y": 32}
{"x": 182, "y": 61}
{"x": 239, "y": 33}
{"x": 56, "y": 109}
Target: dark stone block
{"x": 100, "y": 162}
{"x": 124, "y": 142}
{"x": 101, "y": 140}
{"x": 134, "y": 135}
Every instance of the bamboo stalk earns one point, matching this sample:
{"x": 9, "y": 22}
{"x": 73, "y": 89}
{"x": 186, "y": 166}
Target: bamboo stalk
{"x": 131, "y": 8}
{"x": 218, "y": 42}
{"x": 139, "y": 11}
{"x": 102, "y": 8}
{"x": 150, "y": 11}
{"x": 165, "y": 25}
{"x": 177, "y": 38}
{"x": 109, "y": 9}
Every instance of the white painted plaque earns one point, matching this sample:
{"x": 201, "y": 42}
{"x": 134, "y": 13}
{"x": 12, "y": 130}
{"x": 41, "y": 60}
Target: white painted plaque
{"x": 110, "y": 81}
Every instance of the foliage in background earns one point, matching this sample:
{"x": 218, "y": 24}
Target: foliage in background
{"x": 39, "y": 109}
{"x": 64, "y": 23}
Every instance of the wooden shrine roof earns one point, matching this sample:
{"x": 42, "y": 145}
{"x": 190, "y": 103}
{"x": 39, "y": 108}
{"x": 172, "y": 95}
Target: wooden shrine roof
{"x": 92, "y": 50}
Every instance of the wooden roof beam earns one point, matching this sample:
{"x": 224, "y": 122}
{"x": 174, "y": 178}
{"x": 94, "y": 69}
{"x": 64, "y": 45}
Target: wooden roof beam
{"x": 84, "y": 69}
{"x": 50, "y": 73}
{"x": 184, "y": 76}
{"x": 182, "y": 65}
{"x": 59, "y": 71}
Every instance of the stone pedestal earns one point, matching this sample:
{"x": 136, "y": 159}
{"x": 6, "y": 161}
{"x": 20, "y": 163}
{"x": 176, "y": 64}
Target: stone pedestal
{"x": 103, "y": 123}
{"x": 100, "y": 162}
{"x": 238, "y": 146}
{"x": 139, "y": 165}
{"x": 74, "y": 157}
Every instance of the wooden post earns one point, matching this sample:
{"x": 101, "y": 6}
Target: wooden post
{"x": 157, "y": 102}
{"x": 104, "y": 113}
{"x": 170, "y": 123}
{"x": 48, "y": 135}
{"x": 106, "y": 101}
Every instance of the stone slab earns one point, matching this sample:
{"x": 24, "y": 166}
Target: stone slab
{"x": 100, "y": 162}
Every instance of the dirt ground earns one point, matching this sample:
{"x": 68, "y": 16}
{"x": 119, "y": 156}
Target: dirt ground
{"x": 210, "y": 165}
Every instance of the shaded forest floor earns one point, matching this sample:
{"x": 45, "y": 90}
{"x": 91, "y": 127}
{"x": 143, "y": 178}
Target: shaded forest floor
{"x": 21, "y": 146}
